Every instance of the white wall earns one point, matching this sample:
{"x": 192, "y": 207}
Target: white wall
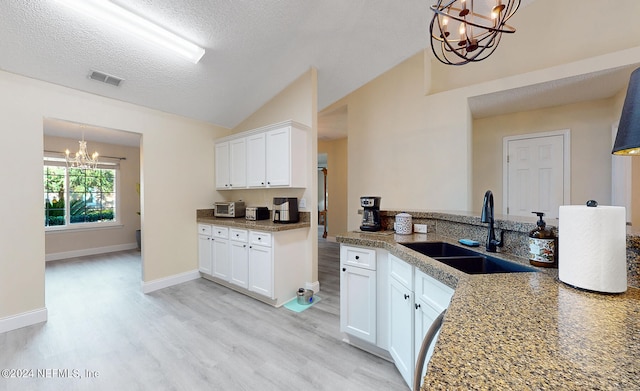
{"x": 176, "y": 160}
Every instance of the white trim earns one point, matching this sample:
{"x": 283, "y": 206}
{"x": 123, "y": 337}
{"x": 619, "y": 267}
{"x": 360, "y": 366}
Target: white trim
{"x": 23, "y": 320}
{"x": 621, "y": 194}
{"x": 90, "y": 251}
{"x": 82, "y": 227}
{"x": 263, "y": 129}
{"x": 566, "y": 156}
{"x": 314, "y": 286}
{"x": 160, "y": 283}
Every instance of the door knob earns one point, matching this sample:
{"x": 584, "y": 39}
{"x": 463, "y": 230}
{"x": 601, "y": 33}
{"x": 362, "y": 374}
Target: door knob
{"x": 344, "y": 269}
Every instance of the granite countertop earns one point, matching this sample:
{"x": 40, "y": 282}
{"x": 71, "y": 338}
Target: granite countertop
{"x": 260, "y": 225}
{"x": 524, "y": 330}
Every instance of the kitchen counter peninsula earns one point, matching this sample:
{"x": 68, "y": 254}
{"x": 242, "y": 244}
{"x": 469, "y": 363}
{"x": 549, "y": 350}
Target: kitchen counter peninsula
{"x": 523, "y": 331}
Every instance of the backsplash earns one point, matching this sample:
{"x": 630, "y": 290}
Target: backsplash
{"x": 516, "y": 233}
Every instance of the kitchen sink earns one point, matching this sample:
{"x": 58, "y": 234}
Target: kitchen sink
{"x": 465, "y": 260}
{"x": 439, "y": 249}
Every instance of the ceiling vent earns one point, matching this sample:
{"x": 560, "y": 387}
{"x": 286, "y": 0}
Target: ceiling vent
{"x": 105, "y": 78}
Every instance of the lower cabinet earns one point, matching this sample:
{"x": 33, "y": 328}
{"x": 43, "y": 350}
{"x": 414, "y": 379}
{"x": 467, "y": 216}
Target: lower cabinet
{"x": 239, "y": 255}
{"x": 204, "y": 253}
{"x": 413, "y": 301}
{"x": 358, "y": 304}
{"x": 260, "y": 264}
{"x": 221, "y": 263}
{"x": 264, "y": 263}
{"x": 401, "y": 317}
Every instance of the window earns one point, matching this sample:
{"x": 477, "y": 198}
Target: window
{"x": 73, "y": 197}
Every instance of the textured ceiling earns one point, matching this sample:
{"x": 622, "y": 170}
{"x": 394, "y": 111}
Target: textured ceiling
{"x": 254, "y": 48}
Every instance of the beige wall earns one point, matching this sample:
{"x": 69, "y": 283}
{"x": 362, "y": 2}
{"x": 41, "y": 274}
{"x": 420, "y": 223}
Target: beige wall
{"x": 57, "y": 243}
{"x": 176, "y": 160}
{"x": 403, "y": 146}
{"x": 337, "y": 184}
{"x": 297, "y": 102}
{"x": 415, "y": 150}
{"x": 548, "y": 33}
{"x": 590, "y": 127}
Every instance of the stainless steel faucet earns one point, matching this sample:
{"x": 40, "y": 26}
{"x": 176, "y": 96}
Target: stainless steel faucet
{"x": 487, "y": 217}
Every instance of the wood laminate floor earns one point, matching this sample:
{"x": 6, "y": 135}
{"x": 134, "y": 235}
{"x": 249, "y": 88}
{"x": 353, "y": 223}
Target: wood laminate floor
{"x": 103, "y": 333}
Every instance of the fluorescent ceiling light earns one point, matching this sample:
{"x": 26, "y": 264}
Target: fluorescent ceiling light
{"x": 131, "y": 23}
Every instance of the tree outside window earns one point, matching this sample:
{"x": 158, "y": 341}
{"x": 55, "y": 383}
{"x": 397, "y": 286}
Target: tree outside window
{"x": 76, "y": 196}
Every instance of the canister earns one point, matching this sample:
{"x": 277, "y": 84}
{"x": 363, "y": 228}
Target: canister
{"x": 403, "y": 224}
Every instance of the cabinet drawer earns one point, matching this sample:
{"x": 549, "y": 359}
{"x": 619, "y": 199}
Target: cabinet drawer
{"x": 238, "y": 235}
{"x": 204, "y": 229}
{"x": 432, "y": 291}
{"x": 260, "y": 238}
{"x": 221, "y": 232}
{"x": 401, "y": 271}
{"x": 358, "y": 256}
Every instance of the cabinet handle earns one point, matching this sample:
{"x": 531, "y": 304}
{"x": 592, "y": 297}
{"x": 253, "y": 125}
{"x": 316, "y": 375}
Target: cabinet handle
{"x": 418, "y": 306}
{"x": 344, "y": 269}
{"x": 406, "y": 296}
{"x": 357, "y": 257}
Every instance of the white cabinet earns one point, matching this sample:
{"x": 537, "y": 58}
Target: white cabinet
{"x": 358, "y": 304}
{"x": 204, "y": 248}
{"x": 256, "y": 160}
{"x": 401, "y": 317}
{"x": 231, "y": 164}
{"x": 260, "y": 263}
{"x": 431, "y": 298}
{"x": 267, "y": 264}
{"x": 221, "y": 262}
{"x": 222, "y": 165}
{"x": 239, "y": 254}
{"x": 271, "y": 156}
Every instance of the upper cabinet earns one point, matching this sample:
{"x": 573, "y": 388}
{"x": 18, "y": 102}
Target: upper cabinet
{"x": 231, "y": 164}
{"x": 271, "y": 156}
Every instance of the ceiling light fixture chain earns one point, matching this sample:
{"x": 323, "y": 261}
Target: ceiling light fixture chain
{"x": 479, "y": 26}
{"x": 82, "y": 160}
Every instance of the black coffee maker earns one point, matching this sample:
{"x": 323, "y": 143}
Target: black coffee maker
{"x": 371, "y": 213}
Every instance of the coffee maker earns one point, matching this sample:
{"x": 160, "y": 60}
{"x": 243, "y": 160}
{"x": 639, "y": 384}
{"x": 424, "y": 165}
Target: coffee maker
{"x": 371, "y": 213}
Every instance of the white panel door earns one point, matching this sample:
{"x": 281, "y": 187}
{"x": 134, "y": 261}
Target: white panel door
{"x": 222, "y": 165}
{"x": 401, "y": 328}
{"x": 278, "y": 157}
{"x": 535, "y": 175}
{"x": 237, "y": 163}
{"x": 256, "y": 160}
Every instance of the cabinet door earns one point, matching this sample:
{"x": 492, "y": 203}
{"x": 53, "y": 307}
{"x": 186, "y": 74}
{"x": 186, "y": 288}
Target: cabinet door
{"x": 221, "y": 259}
{"x": 239, "y": 264}
{"x": 237, "y": 163}
{"x": 401, "y": 314}
{"x": 260, "y": 270}
{"x": 222, "y": 165}
{"x": 278, "y": 157}
{"x": 256, "y": 160}
{"x": 424, "y": 317}
{"x": 358, "y": 302}
{"x": 204, "y": 253}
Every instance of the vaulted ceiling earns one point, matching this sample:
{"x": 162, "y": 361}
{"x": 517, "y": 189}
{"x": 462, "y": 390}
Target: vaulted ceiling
{"x": 254, "y": 49}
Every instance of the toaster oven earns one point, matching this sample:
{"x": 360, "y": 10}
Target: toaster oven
{"x": 229, "y": 209}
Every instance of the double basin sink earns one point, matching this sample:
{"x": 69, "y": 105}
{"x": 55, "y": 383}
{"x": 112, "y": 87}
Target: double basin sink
{"x": 466, "y": 260}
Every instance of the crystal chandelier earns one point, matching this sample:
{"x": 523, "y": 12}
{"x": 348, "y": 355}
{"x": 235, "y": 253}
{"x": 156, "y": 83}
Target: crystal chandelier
{"x": 464, "y": 31}
{"x": 82, "y": 159}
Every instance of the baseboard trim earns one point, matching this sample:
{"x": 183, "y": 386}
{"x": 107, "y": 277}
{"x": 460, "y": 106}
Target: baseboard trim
{"x": 151, "y": 286}
{"x": 23, "y": 320}
{"x": 90, "y": 251}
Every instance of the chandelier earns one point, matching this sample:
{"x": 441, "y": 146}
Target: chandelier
{"x": 464, "y": 31}
{"x": 82, "y": 159}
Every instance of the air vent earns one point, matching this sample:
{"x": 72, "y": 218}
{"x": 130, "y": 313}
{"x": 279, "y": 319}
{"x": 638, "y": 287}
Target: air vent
{"x": 105, "y": 78}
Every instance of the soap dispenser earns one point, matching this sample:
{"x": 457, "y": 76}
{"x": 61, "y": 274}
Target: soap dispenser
{"x": 542, "y": 245}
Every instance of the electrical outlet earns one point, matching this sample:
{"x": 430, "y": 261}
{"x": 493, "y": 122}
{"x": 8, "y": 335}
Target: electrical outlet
{"x": 303, "y": 202}
{"x": 420, "y": 228}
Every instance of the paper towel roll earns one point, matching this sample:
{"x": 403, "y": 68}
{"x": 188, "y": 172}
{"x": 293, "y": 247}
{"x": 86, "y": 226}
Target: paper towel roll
{"x": 592, "y": 247}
